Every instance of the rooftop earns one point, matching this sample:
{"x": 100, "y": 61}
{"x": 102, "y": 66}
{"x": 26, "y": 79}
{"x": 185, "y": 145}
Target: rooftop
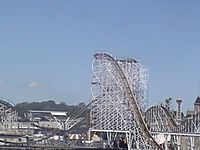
{"x": 197, "y": 100}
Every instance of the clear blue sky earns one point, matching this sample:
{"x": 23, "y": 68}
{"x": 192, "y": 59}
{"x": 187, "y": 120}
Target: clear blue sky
{"x": 47, "y": 46}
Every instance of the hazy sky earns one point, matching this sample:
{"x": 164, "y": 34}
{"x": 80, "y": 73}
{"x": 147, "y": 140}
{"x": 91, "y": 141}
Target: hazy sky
{"x": 47, "y": 46}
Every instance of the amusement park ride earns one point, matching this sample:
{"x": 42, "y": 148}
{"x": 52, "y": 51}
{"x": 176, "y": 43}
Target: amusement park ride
{"x": 118, "y": 108}
{"x": 118, "y": 111}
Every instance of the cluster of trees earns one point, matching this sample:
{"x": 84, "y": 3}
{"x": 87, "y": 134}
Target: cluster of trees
{"x": 50, "y": 105}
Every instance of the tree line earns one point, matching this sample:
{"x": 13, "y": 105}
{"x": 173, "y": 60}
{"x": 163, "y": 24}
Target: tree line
{"x": 49, "y": 105}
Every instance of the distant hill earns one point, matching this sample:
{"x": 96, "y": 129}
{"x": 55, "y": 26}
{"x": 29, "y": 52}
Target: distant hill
{"x": 50, "y": 105}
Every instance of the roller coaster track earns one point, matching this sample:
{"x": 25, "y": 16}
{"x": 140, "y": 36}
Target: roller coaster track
{"x": 187, "y": 125}
{"x": 131, "y": 99}
{"x": 55, "y": 131}
{"x": 171, "y": 119}
{"x": 191, "y": 124}
{"x": 159, "y": 119}
{"x": 8, "y": 115}
{"x": 6, "y": 102}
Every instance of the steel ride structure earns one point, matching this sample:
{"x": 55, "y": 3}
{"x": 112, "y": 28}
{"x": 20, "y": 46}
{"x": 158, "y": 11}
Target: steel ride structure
{"x": 8, "y": 116}
{"x": 10, "y": 126}
{"x": 61, "y": 123}
{"x": 118, "y": 106}
{"x": 168, "y": 128}
{"x": 118, "y": 90}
